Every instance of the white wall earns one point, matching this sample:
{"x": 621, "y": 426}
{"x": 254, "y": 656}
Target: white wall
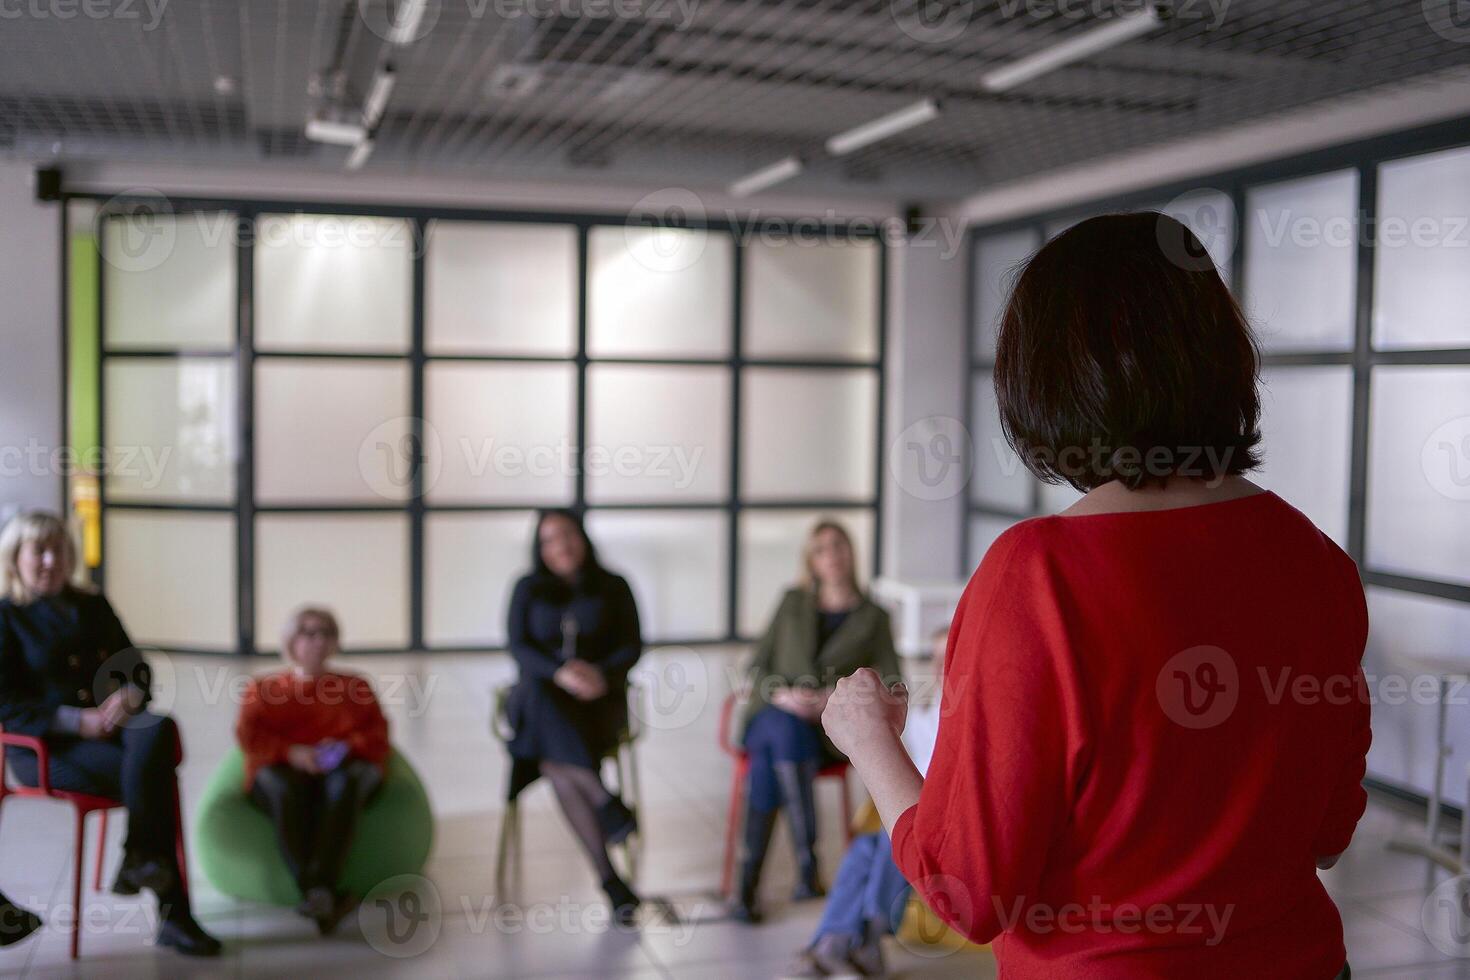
{"x": 31, "y": 374}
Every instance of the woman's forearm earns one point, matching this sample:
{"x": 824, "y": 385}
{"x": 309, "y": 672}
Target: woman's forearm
{"x": 892, "y": 779}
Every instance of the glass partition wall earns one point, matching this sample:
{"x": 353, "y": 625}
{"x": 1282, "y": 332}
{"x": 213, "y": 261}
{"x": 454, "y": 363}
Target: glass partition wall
{"x": 364, "y": 408}
{"x": 1354, "y": 267}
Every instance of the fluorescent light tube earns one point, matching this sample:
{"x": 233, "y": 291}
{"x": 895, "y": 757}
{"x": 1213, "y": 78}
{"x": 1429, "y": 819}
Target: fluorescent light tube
{"x": 783, "y": 169}
{"x": 1089, "y": 42}
{"x": 377, "y": 97}
{"x": 883, "y": 127}
{"x": 405, "y": 27}
{"x": 335, "y": 132}
{"x": 359, "y": 155}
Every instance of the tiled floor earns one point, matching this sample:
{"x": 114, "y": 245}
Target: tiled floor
{"x": 553, "y": 927}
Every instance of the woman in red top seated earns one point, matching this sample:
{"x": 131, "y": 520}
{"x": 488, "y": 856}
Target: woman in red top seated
{"x": 315, "y": 744}
{"x": 1154, "y": 722}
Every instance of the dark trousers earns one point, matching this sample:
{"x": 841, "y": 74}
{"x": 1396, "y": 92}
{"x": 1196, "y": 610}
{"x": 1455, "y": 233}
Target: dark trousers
{"x": 136, "y": 766}
{"x": 314, "y": 816}
{"x": 772, "y": 737}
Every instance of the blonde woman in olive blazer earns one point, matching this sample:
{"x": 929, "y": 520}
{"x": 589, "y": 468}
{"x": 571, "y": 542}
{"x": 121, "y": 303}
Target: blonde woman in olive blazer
{"x": 823, "y": 630}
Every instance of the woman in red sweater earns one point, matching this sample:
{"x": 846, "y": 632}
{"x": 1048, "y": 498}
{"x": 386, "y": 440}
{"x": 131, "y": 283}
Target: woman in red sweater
{"x": 315, "y": 744}
{"x": 1154, "y": 725}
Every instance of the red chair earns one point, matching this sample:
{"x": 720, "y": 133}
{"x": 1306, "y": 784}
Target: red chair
{"x": 837, "y": 770}
{"x": 82, "y": 805}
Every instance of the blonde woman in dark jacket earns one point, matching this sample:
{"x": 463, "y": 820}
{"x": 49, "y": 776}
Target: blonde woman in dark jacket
{"x": 824, "y": 629}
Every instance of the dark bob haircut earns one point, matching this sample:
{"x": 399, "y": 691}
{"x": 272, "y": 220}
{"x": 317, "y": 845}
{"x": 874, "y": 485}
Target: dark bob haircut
{"x": 1122, "y": 356}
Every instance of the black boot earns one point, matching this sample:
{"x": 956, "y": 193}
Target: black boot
{"x": 142, "y": 870}
{"x": 755, "y": 839}
{"x": 624, "y": 901}
{"x": 179, "y": 932}
{"x": 16, "y": 923}
{"x": 798, "y": 791}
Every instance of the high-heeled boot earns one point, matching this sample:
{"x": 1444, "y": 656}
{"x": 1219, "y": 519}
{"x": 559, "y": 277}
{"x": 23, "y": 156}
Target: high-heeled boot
{"x": 755, "y": 840}
{"x": 798, "y": 791}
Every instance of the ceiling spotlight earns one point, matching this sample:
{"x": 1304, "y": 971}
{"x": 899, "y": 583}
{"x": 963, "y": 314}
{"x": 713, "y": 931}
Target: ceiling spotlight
{"x": 335, "y": 131}
{"x": 783, "y": 169}
{"x": 883, "y": 127}
{"x": 359, "y": 155}
{"x": 377, "y": 97}
{"x": 1086, "y": 43}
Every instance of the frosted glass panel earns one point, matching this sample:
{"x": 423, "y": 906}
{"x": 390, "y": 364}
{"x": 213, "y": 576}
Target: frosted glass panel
{"x": 1419, "y": 472}
{"x": 811, "y": 300}
{"x": 1301, "y": 261}
{"x": 333, "y": 282}
{"x": 998, "y": 259}
{"x": 984, "y": 529}
{"x": 356, "y": 564}
{"x": 1210, "y": 214}
{"x": 170, "y": 281}
{"x": 331, "y": 430}
{"x": 998, "y": 478}
{"x": 500, "y": 433}
{"x": 1408, "y": 636}
{"x": 171, "y": 577}
{"x": 171, "y": 429}
{"x": 658, "y": 433}
{"x": 471, "y": 563}
{"x": 808, "y": 434}
{"x": 771, "y": 543}
{"x": 1421, "y": 293}
{"x": 677, "y": 565}
{"x": 1306, "y": 427}
{"x": 658, "y": 292}
{"x": 500, "y": 288}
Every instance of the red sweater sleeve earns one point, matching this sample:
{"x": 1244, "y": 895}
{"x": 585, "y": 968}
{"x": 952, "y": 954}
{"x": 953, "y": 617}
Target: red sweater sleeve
{"x": 261, "y": 743}
{"x": 1011, "y": 744}
{"x": 369, "y": 738}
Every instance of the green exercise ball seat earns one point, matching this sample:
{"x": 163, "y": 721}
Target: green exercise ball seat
{"x": 235, "y": 844}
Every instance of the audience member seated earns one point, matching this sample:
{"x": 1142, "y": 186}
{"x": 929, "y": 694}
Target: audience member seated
{"x": 1117, "y": 750}
{"x": 70, "y": 676}
{"x": 315, "y": 743}
{"x": 870, "y": 894}
{"x": 574, "y": 634}
{"x": 824, "y": 629}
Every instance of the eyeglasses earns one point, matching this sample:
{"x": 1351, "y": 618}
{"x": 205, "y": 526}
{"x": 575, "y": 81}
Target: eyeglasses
{"x": 318, "y": 633}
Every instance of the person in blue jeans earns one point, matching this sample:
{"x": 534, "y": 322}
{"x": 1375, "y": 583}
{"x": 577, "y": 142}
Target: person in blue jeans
{"x": 867, "y": 900}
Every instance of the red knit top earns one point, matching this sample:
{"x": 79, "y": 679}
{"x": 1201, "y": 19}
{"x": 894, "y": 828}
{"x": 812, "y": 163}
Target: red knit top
{"x": 1153, "y": 725}
{"x": 284, "y": 709}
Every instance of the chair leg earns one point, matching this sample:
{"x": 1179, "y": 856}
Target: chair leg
{"x": 80, "y": 844}
{"x": 509, "y": 827}
{"x": 101, "y": 852}
{"x": 732, "y": 828}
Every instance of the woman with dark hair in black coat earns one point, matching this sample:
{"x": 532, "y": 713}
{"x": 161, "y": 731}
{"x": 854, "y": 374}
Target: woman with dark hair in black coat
{"x": 574, "y": 634}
